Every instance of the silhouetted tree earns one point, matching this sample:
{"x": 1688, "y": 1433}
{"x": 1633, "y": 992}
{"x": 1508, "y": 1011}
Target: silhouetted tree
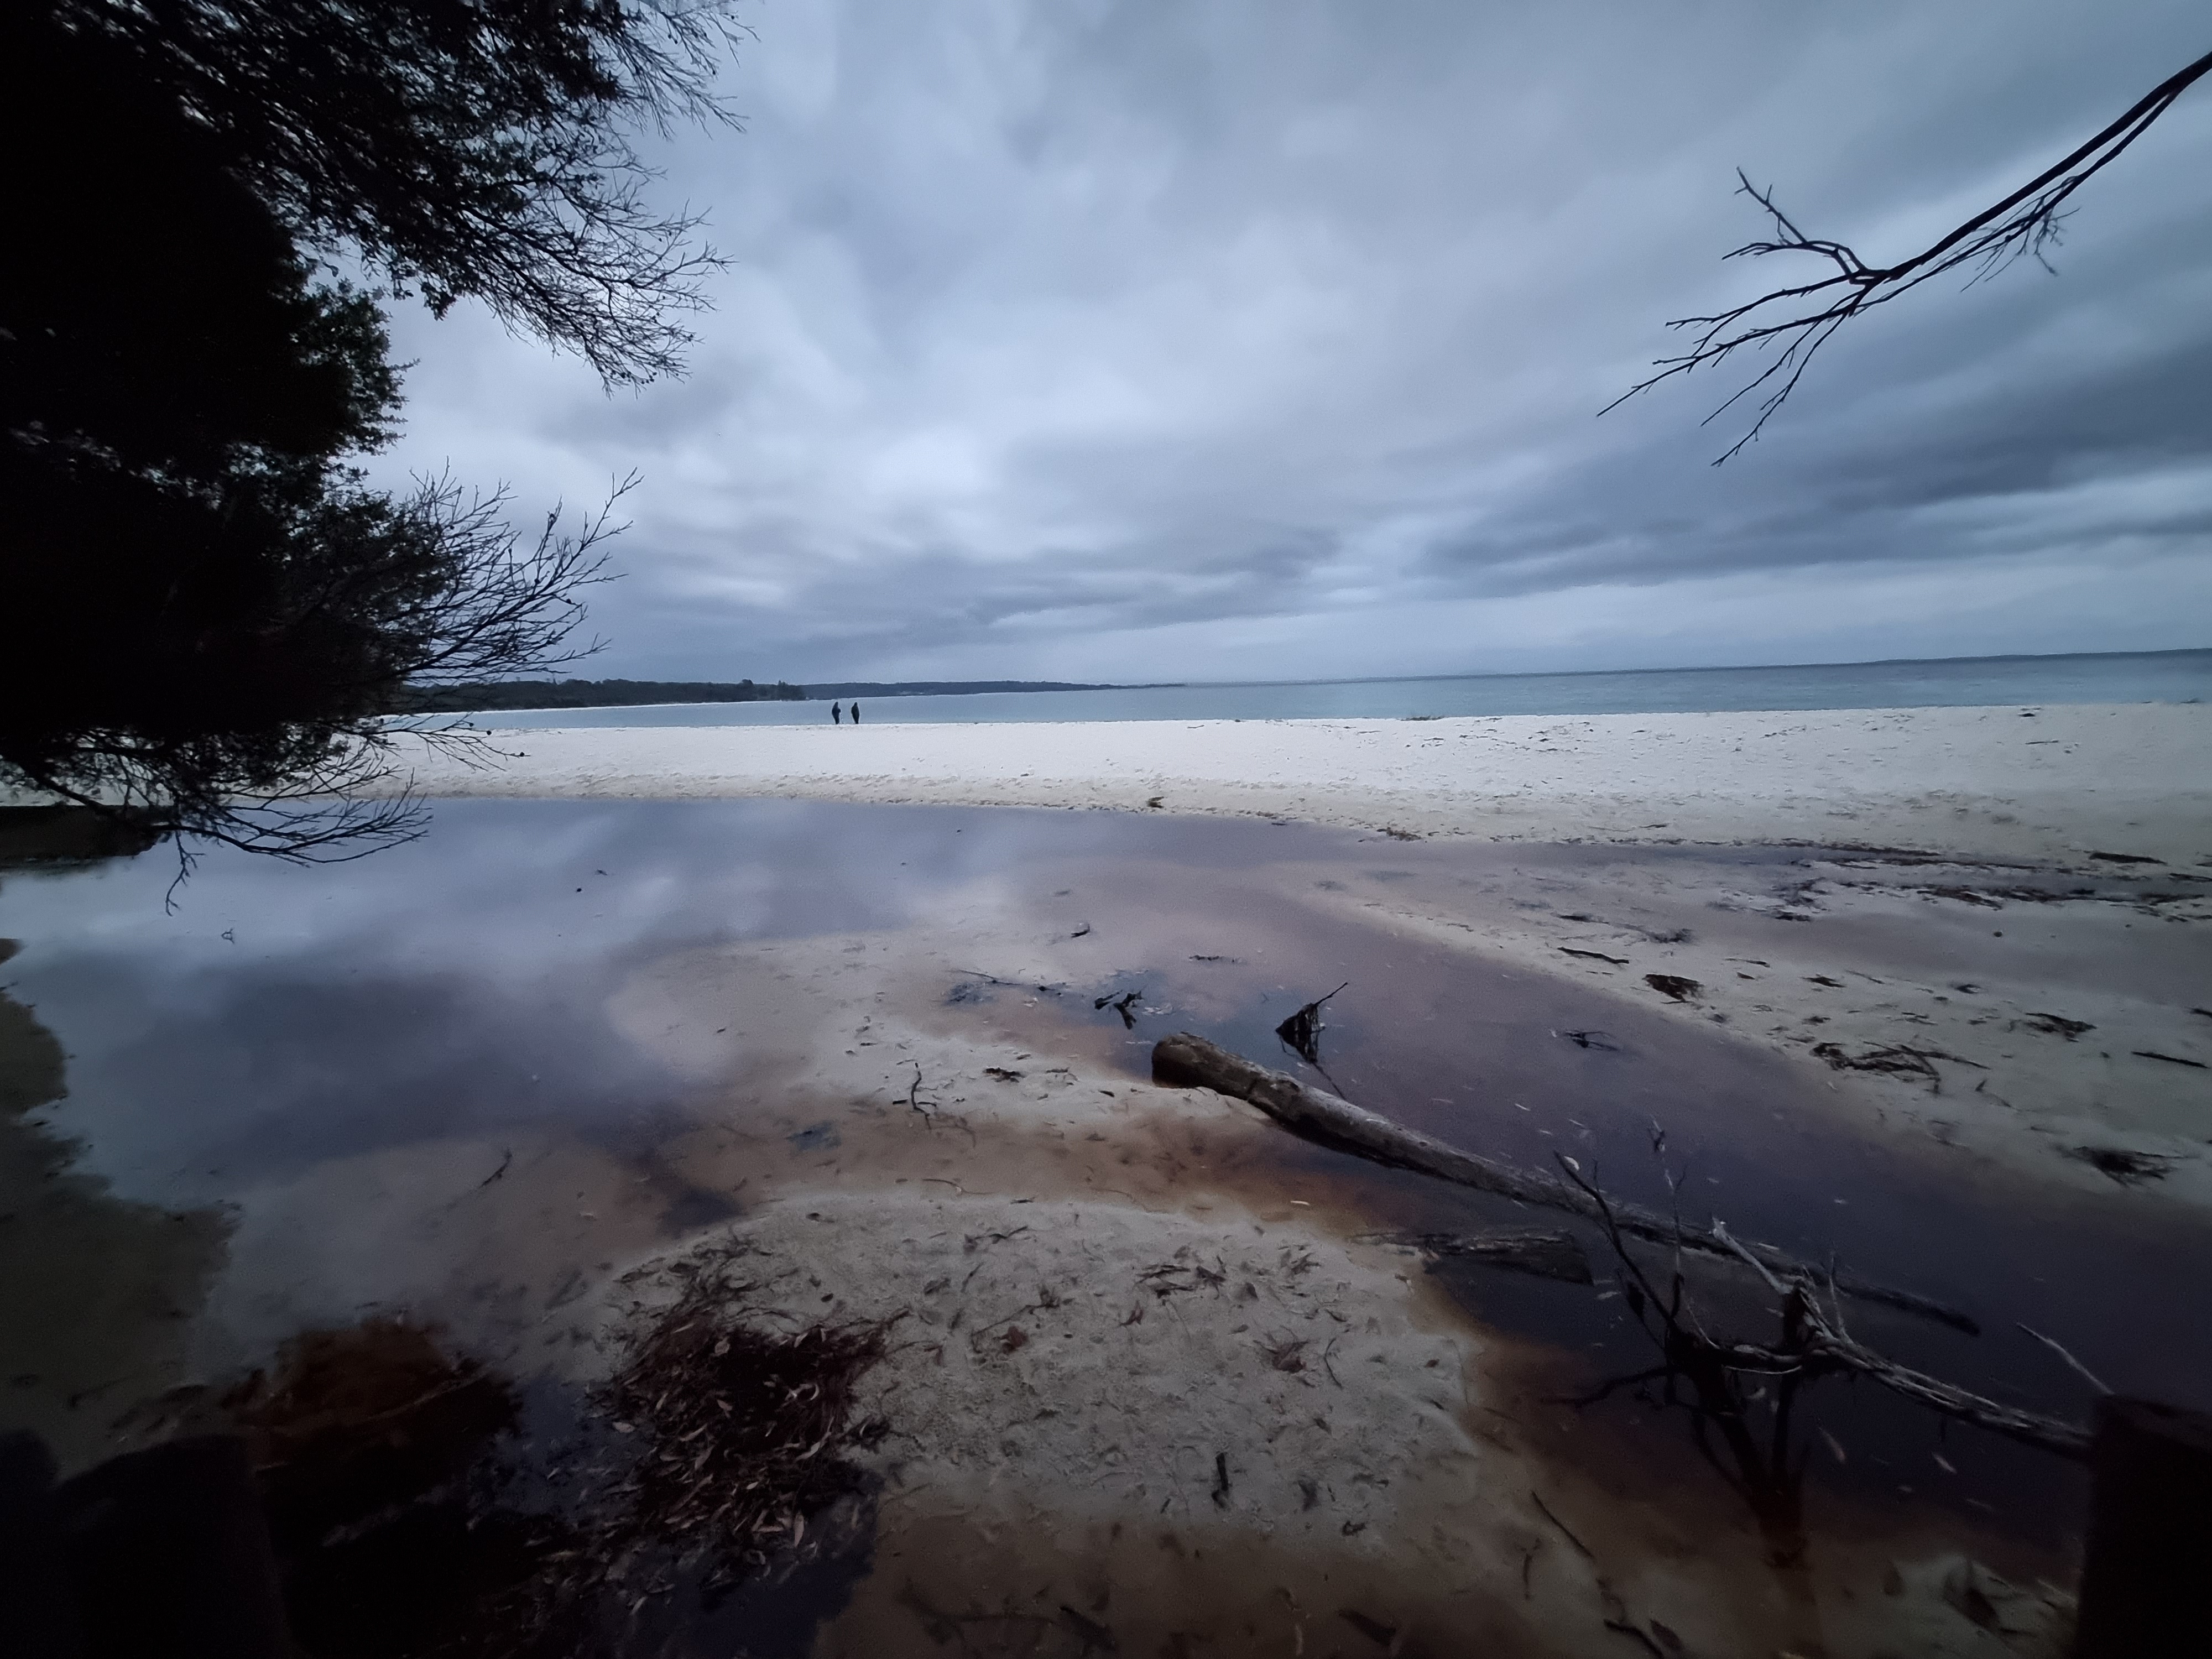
{"x": 1795, "y": 321}
{"x": 480, "y": 148}
{"x": 210, "y": 610}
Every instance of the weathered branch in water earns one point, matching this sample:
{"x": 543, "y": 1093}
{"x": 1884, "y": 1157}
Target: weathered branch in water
{"x": 1186, "y": 1060}
{"x": 1815, "y": 1345}
{"x": 2048, "y": 1434}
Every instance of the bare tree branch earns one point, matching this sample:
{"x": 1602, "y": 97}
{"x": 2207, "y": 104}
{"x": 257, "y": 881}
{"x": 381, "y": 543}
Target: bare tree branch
{"x": 1799, "y": 319}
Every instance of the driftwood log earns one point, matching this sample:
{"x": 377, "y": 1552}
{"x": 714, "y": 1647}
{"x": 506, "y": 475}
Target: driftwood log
{"x": 1185, "y": 1061}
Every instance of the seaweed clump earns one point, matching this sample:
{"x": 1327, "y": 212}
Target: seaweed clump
{"x": 742, "y": 1426}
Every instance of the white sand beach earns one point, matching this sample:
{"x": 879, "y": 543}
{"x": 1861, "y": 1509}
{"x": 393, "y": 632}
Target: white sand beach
{"x": 1995, "y": 782}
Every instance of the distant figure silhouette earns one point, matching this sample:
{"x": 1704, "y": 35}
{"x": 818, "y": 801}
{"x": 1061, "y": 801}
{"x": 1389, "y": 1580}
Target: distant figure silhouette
{"x": 856, "y": 714}
{"x": 837, "y": 713}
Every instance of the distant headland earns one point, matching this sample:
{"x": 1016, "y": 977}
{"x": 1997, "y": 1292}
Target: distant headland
{"x": 628, "y": 694}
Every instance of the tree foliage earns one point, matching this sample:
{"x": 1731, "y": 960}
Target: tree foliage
{"x": 480, "y": 148}
{"x": 493, "y": 695}
{"x": 213, "y": 609}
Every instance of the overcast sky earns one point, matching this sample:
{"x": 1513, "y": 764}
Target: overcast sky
{"x": 1198, "y": 340}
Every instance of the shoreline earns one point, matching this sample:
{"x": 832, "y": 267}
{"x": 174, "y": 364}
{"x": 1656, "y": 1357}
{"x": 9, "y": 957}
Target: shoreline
{"x": 1143, "y": 1338}
{"x": 1911, "y": 842}
{"x": 1990, "y": 783}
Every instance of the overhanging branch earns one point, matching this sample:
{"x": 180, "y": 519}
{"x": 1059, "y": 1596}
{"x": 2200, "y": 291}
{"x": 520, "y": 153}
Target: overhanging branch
{"x": 1797, "y": 321}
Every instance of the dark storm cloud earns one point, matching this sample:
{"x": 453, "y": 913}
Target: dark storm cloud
{"x": 1208, "y": 340}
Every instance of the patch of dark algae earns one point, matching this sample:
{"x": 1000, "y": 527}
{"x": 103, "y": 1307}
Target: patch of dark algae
{"x": 696, "y": 1504}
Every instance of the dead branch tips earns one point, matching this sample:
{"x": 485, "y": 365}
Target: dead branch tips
{"x": 1302, "y": 1030}
{"x": 1814, "y": 1342}
{"x": 1801, "y": 318}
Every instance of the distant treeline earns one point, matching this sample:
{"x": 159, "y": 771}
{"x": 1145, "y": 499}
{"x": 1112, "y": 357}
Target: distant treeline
{"x": 594, "y": 694}
{"x": 627, "y": 693}
{"x": 945, "y": 688}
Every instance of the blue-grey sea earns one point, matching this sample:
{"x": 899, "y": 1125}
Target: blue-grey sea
{"x": 1950, "y": 681}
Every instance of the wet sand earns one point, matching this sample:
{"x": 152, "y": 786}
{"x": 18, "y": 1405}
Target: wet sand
{"x": 569, "y": 1040}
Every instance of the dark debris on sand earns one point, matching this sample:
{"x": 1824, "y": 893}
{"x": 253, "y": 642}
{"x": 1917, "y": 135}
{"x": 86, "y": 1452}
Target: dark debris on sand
{"x": 2123, "y": 1166}
{"x": 742, "y": 1425}
{"x": 1675, "y": 986}
{"x": 731, "y": 1433}
{"x": 1896, "y": 1059}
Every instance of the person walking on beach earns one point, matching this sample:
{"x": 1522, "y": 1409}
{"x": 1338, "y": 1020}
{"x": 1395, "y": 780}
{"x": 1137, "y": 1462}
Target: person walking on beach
{"x": 856, "y": 711}
{"x": 837, "y": 713}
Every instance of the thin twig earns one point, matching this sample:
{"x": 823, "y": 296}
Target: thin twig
{"x": 2060, "y": 1349}
{"x": 1565, "y": 1531}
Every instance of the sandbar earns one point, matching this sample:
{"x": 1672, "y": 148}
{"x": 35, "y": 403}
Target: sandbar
{"x": 1992, "y": 782}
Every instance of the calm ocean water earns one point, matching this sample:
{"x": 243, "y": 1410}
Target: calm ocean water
{"x": 1951, "y": 682}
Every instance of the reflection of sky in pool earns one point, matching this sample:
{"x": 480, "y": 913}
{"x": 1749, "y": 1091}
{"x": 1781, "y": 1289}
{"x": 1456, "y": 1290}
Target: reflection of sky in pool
{"x": 282, "y": 1015}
